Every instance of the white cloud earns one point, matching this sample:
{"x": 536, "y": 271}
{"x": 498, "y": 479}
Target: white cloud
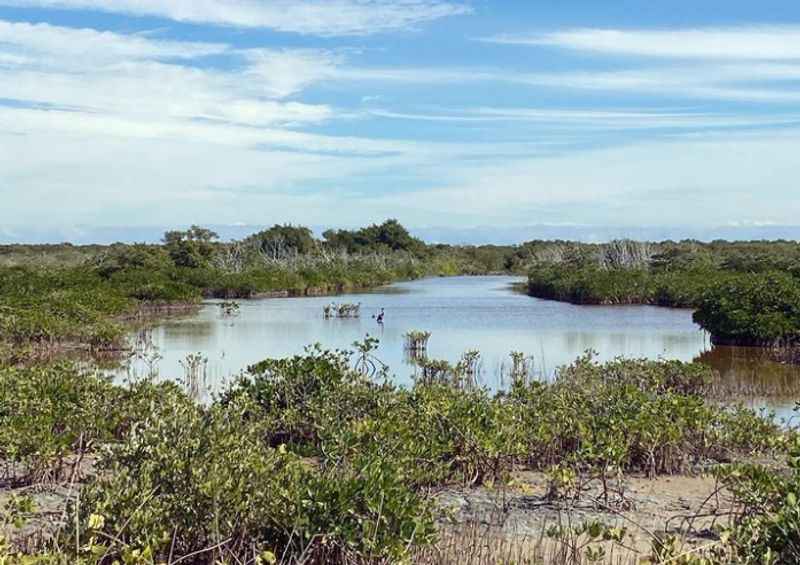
{"x": 110, "y": 128}
{"x": 739, "y": 81}
{"x": 739, "y": 64}
{"x": 126, "y": 86}
{"x": 755, "y": 43}
{"x": 595, "y": 119}
{"x": 126, "y": 76}
{"x": 317, "y": 17}
{"x": 103, "y": 179}
{"x": 686, "y": 181}
{"x": 289, "y": 71}
{"x": 107, "y": 126}
{"x": 45, "y": 42}
{"x": 124, "y": 128}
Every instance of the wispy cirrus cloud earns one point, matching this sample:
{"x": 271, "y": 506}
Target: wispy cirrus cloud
{"x": 44, "y": 43}
{"x": 744, "y": 64}
{"x": 747, "y": 81}
{"x": 138, "y": 128}
{"x": 99, "y": 123}
{"x": 124, "y": 75}
{"x": 593, "y": 120}
{"x": 654, "y": 183}
{"x": 313, "y": 17}
{"x": 742, "y": 43}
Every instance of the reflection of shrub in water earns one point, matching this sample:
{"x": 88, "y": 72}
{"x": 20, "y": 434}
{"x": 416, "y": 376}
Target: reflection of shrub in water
{"x": 143, "y": 354}
{"x": 751, "y": 373}
{"x": 789, "y": 355}
{"x": 366, "y": 362}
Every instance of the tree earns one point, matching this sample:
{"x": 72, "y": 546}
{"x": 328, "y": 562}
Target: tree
{"x": 282, "y": 241}
{"x": 192, "y": 248}
{"x": 121, "y": 257}
{"x": 390, "y": 235}
{"x": 752, "y": 309}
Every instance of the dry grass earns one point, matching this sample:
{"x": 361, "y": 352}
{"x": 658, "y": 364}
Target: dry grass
{"x": 479, "y": 544}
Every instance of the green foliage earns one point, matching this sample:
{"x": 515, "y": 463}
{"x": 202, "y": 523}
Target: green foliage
{"x": 744, "y": 293}
{"x": 82, "y": 306}
{"x": 307, "y": 456}
{"x": 760, "y": 309}
{"x": 390, "y": 235}
{"x": 592, "y": 285}
{"x": 281, "y": 240}
{"x": 50, "y": 412}
{"x": 766, "y": 527}
{"x": 629, "y": 415}
{"x": 192, "y": 248}
{"x": 297, "y": 395}
{"x": 585, "y": 540}
{"x": 65, "y": 304}
{"x": 194, "y": 479}
{"x": 120, "y": 257}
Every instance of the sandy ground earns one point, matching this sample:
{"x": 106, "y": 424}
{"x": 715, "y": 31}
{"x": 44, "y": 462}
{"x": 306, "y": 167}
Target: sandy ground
{"x": 50, "y": 500}
{"x": 518, "y": 517}
{"x": 500, "y": 524}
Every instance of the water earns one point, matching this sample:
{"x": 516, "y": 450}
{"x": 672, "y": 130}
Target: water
{"x": 462, "y": 313}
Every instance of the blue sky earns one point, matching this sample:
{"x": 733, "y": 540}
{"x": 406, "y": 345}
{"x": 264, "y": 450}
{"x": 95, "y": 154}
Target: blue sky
{"x": 447, "y": 114}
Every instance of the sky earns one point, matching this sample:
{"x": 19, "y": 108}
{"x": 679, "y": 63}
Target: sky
{"x": 446, "y": 114}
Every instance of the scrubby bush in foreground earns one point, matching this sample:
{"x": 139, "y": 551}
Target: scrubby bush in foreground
{"x": 640, "y": 416}
{"x": 308, "y": 459}
{"x": 204, "y": 482}
{"x": 50, "y": 413}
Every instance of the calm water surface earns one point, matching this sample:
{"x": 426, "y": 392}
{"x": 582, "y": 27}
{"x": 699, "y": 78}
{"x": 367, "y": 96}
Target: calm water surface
{"x": 462, "y": 313}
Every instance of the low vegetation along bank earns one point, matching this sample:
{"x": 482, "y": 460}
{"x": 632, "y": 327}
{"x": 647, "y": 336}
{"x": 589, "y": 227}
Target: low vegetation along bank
{"x": 63, "y": 296}
{"x": 307, "y": 460}
{"x": 742, "y": 293}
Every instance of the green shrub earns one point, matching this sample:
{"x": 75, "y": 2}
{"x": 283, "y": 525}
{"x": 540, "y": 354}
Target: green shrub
{"x": 766, "y": 527}
{"x": 204, "y": 482}
{"x": 647, "y": 416}
{"x": 48, "y": 413}
{"x": 306, "y": 456}
{"x": 755, "y": 309}
{"x": 630, "y": 415}
{"x": 744, "y": 293}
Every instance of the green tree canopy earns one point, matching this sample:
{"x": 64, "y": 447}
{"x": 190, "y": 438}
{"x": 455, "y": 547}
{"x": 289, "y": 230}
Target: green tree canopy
{"x": 191, "y": 248}
{"x": 391, "y": 234}
{"x": 286, "y": 239}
